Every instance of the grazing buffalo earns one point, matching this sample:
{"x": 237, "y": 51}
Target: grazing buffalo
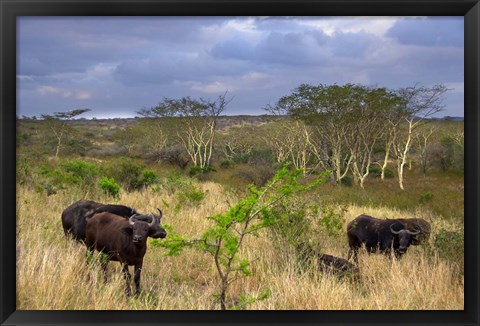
{"x": 327, "y": 263}
{"x": 122, "y": 240}
{"x": 75, "y": 216}
{"x": 336, "y": 265}
{"x": 379, "y": 235}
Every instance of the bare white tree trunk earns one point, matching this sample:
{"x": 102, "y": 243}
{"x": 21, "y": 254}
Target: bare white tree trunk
{"x": 385, "y": 160}
{"x": 402, "y": 154}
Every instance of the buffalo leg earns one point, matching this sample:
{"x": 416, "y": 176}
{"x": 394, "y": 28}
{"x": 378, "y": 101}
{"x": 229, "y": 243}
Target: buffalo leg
{"x": 138, "y": 271}
{"x": 128, "y": 278}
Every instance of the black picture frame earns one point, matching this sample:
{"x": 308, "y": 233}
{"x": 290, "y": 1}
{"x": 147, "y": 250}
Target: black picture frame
{"x": 10, "y": 10}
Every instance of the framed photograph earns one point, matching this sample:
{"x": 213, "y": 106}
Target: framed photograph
{"x": 225, "y": 162}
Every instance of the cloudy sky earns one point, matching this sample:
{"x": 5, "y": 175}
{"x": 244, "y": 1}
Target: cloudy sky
{"x": 117, "y": 65}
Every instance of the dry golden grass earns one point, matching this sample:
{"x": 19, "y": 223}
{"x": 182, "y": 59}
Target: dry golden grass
{"x": 52, "y": 272}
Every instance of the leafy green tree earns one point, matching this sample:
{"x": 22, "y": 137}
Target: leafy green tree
{"x": 369, "y": 125}
{"x": 224, "y": 240}
{"x": 325, "y": 108}
{"x": 198, "y": 119}
{"x": 58, "y": 124}
{"x": 348, "y": 120}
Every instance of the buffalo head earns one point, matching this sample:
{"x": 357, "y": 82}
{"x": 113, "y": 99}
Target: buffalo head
{"x": 156, "y": 230}
{"x": 405, "y": 237}
{"x": 140, "y": 230}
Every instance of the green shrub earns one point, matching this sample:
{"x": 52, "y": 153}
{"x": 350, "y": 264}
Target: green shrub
{"x": 45, "y": 187}
{"x": 226, "y": 164}
{"x": 130, "y": 175}
{"x": 81, "y": 172}
{"x": 450, "y": 245}
{"x": 389, "y": 174}
{"x": 376, "y": 172}
{"x": 426, "y": 197}
{"x": 77, "y": 146}
{"x": 191, "y": 195}
{"x": 24, "y": 170}
{"x": 346, "y": 181}
{"x": 257, "y": 175}
{"x": 260, "y": 157}
{"x": 52, "y": 180}
{"x": 195, "y": 195}
{"x": 55, "y": 177}
{"x": 197, "y": 170}
{"x": 174, "y": 182}
{"x": 109, "y": 187}
{"x": 332, "y": 220}
{"x": 292, "y": 223}
{"x": 148, "y": 178}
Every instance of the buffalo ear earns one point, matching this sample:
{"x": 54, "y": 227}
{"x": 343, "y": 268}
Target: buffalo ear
{"x": 127, "y": 231}
{"x": 151, "y": 231}
{"x": 415, "y": 241}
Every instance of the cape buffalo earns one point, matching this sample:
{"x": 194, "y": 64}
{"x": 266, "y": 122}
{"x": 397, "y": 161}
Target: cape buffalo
{"x": 75, "y": 216}
{"x": 327, "y": 263}
{"x": 122, "y": 240}
{"x": 336, "y": 265}
{"x": 378, "y": 235}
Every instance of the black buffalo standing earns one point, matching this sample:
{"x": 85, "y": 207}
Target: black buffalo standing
{"x": 75, "y": 216}
{"x": 379, "y": 235}
{"x": 122, "y": 240}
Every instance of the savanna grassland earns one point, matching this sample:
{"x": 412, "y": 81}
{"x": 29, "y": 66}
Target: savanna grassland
{"x": 53, "y": 272}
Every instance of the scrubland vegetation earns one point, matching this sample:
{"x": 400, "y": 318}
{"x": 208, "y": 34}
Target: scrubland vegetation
{"x": 204, "y": 170}
{"x": 52, "y": 272}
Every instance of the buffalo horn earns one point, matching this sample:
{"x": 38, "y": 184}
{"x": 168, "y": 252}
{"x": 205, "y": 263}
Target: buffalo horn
{"x": 393, "y": 231}
{"x": 414, "y": 232}
{"x": 161, "y": 214}
{"x": 130, "y": 220}
{"x": 153, "y": 220}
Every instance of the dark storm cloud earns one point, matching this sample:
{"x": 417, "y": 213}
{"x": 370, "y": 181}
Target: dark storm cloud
{"x": 120, "y": 64}
{"x": 308, "y": 47}
{"x": 235, "y": 48}
{"x": 433, "y": 31}
{"x": 289, "y": 49}
{"x": 50, "y": 45}
{"x": 352, "y": 44}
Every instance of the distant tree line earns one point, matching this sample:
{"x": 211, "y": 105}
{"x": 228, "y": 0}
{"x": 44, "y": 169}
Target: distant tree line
{"x": 347, "y": 123}
{"x": 353, "y": 130}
